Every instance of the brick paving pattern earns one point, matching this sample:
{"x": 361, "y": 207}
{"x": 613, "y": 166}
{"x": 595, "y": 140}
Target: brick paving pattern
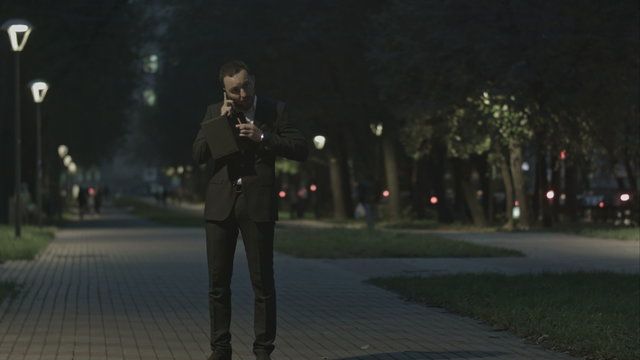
{"x": 116, "y": 287}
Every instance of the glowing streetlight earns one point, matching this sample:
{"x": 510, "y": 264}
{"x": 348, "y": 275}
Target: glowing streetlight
{"x": 376, "y": 129}
{"x": 67, "y": 160}
{"x": 63, "y": 150}
{"x": 319, "y": 141}
{"x": 39, "y": 91}
{"x": 18, "y": 31}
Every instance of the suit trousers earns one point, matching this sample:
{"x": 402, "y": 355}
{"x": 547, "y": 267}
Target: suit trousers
{"x": 221, "y": 244}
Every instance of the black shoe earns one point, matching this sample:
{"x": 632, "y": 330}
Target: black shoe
{"x": 220, "y": 355}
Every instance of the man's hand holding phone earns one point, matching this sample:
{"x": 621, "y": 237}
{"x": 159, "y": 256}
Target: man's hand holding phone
{"x": 227, "y": 106}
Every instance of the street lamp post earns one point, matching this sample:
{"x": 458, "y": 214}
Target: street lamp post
{"x": 39, "y": 91}
{"x": 18, "y": 31}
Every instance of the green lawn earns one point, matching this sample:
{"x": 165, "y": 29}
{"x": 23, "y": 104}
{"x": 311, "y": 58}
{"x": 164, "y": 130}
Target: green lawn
{"x": 432, "y": 224}
{"x": 588, "y": 314}
{"x": 158, "y": 214}
{"x": 31, "y": 242}
{"x": 363, "y": 243}
{"x": 605, "y": 231}
{"x": 601, "y": 231}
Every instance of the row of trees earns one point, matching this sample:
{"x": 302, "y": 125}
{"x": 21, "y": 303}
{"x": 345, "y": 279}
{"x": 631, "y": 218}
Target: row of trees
{"x": 460, "y": 87}
{"x": 465, "y": 92}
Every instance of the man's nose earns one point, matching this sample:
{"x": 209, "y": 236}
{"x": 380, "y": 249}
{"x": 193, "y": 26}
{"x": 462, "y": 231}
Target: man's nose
{"x": 243, "y": 93}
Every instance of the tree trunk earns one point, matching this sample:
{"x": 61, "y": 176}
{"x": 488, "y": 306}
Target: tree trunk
{"x": 437, "y": 175}
{"x": 631, "y": 176}
{"x": 477, "y": 212}
{"x": 484, "y": 177}
{"x": 463, "y": 174}
{"x": 419, "y": 188}
{"x": 339, "y": 204}
{"x": 391, "y": 170}
{"x": 519, "y": 184}
{"x": 508, "y": 192}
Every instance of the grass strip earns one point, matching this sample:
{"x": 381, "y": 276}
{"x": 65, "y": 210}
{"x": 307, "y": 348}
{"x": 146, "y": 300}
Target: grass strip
{"x": 587, "y": 314}
{"x": 603, "y": 231}
{"x": 158, "y": 214}
{"x": 432, "y": 224}
{"x": 32, "y": 240}
{"x": 337, "y": 243}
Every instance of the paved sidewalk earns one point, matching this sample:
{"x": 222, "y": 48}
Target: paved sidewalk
{"x": 116, "y": 287}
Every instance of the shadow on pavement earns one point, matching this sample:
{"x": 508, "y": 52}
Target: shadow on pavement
{"x": 429, "y": 355}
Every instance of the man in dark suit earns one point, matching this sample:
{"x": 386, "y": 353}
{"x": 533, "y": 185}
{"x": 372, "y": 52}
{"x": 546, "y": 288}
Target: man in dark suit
{"x": 241, "y": 196}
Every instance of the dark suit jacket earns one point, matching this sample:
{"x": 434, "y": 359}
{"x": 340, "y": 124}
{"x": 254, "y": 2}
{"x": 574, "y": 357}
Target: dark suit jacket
{"x": 255, "y": 163}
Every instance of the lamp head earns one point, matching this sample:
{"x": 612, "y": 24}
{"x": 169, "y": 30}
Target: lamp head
{"x": 319, "y": 141}
{"x": 18, "y": 31}
{"x": 39, "y": 89}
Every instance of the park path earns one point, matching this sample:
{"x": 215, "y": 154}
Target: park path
{"x": 117, "y": 287}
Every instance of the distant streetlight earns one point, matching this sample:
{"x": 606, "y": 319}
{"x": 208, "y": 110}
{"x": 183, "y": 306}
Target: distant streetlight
{"x": 18, "y": 31}
{"x": 376, "y": 129}
{"x": 73, "y": 168}
{"x": 67, "y": 160}
{"x": 63, "y": 150}
{"x": 319, "y": 141}
{"x": 39, "y": 91}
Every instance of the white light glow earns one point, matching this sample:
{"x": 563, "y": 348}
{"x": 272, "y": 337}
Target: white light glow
{"x": 63, "y": 150}
{"x": 551, "y": 194}
{"x": 18, "y": 31}
{"x": 376, "y": 129}
{"x": 39, "y": 90}
{"x": 319, "y": 141}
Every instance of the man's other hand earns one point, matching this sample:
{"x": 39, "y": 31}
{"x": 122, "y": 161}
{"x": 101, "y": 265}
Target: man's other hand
{"x": 250, "y": 131}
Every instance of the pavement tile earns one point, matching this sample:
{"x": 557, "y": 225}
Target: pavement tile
{"x": 114, "y": 287}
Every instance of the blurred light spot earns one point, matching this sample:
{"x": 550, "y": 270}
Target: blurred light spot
{"x": 149, "y": 97}
{"x": 551, "y": 194}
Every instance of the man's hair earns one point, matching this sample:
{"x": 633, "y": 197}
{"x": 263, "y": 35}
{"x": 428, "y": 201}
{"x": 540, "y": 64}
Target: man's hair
{"x": 230, "y": 68}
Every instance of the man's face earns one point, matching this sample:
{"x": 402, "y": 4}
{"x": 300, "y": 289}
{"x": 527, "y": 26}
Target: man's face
{"x": 240, "y": 89}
